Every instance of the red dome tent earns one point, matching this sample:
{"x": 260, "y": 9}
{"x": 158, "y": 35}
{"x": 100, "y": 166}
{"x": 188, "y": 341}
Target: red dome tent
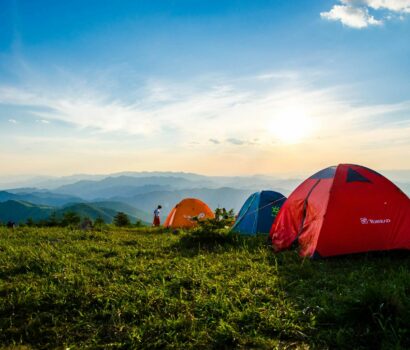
{"x": 343, "y": 210}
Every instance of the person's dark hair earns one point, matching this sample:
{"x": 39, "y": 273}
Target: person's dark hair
{"x": 159, "y": 207}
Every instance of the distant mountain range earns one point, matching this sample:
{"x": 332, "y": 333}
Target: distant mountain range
{"x": 136, "y": 194}
{"x": 20, "y": 211}
{"x": 229, "y": 198}
{"x": 401, "y": 177}
{"x": 176, "y": 179}
{"x": 38, "y": 197}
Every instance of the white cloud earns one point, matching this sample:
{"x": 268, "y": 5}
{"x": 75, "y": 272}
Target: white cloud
{"x": 355, "y": 13}
{"x": 43, "y": 121}
{"x": 391, "y": 5}
{"x": 13, "y": 121}
{"x": 355, "y": 17}
{"x": 178, "y": 127}
{"x": 228, "y": 110}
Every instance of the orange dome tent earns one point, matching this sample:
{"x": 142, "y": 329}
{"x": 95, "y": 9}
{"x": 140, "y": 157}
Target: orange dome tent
{"x": 184, "y": 211}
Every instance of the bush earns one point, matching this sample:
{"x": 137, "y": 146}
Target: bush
{"x": 70, "y": 219}
{"x": 30, "y": 222}
{"x": 99, "y": 222}
{"x": 52, "y": 221}
{"x": 223, "y": 219}
{"x": 211, "y": 233}
{"x": 121, "y": 220}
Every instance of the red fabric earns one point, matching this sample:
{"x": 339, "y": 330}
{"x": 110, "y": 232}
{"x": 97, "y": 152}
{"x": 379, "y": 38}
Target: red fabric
{"x": 287, "y": 223}
{"x": 364, "y": 216}
{"x": 315, "y": 213}
{"x": 157, "y": 221}
{"x": 344, "y": 217}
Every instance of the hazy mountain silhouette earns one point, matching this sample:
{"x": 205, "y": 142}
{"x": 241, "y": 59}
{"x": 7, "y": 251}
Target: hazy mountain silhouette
{"x": 21, "y": 211}
{"x": 229, "y": 198}
{"x": 138, "y": 193}
{"x": 38, "y": 197}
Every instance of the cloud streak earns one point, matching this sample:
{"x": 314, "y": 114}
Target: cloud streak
{"x": 223, "y": 112}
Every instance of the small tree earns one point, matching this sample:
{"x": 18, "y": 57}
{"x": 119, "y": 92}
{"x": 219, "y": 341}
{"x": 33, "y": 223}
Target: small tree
{"x": 99, "y": 222}
{"x": 52, "y": 221}
{"x": 30, "y": 222}
{"x": 71, "y": 219}
{"x": 121, "y": 220}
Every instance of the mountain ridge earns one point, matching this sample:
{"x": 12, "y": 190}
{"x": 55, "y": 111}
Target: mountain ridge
{"x": 20, "y": 211}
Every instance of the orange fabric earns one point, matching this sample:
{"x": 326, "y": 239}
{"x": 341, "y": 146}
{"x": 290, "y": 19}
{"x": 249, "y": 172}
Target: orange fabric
{"x": 180, "y": 216}
{"x": 170, "y": 218}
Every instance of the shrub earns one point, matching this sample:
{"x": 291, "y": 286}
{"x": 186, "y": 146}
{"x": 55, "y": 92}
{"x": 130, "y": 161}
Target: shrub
{"x": 223, "y": 219}
{"x": 30, "y": 222}
{"x": 211, "y": 233}
{"x": 121, "y": 220}
{"x": 138, "y": 223}
{"x": 99, "y": 222}
{"x": 70, "y": 219}
{"x": 52, "y": 221}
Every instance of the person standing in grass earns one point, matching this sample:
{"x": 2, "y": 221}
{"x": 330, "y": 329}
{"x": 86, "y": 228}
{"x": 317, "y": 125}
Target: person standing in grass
{"x": 157, "y": 220}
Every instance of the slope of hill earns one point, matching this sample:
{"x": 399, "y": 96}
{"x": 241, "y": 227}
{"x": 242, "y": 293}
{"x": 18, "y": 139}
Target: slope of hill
{"x": 7, "y": 196}
{"x": 87, "y": 210}
{"x": 125, "y": 208}
{"x": 39, "y": 197}
{"x": 19, "y": 211}
{"x": 94, "y": 211}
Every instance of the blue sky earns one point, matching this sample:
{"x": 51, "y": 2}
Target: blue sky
{"x": 217, "y": 87}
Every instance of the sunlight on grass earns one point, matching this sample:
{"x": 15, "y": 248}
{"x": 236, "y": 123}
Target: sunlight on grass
{"x": 147, "y": 288}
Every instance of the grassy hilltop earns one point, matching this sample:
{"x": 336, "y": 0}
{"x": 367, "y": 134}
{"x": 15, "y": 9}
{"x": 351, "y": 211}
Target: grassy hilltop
{"x": 152, "y": 289}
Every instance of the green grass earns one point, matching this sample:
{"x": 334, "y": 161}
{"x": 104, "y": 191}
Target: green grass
{"x": 125, "y": 289}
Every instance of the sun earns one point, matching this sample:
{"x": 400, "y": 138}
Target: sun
{"x": 291, "y": 125}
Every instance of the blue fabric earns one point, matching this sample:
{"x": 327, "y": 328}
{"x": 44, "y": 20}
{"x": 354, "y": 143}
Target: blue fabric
{"x": 247, "y": 217}
{"x": 256, "y": 215}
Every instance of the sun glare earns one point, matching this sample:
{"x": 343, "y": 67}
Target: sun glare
{"x": 291, "y": 125}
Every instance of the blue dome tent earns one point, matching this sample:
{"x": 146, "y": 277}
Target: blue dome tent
{"x": 258, "y": 213}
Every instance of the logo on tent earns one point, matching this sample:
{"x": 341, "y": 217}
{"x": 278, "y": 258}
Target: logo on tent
{"x": 365, "y": 221}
